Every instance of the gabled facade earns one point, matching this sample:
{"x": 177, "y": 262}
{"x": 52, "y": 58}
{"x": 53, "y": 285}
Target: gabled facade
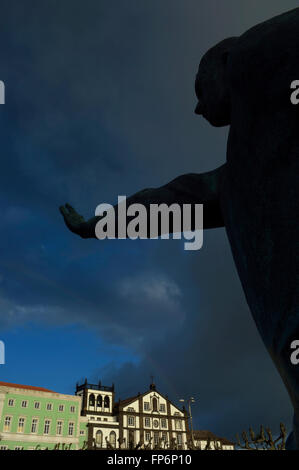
{"x": 151, "y": 420}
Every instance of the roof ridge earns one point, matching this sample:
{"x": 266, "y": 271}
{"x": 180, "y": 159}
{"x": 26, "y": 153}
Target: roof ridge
{"x": 25, "y": 387}
{"x": 203, "y": 433}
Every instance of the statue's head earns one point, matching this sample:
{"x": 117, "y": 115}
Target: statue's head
{"x": 211, "y": 84}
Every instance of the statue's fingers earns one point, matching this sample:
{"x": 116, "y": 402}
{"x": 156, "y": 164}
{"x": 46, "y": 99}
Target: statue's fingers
{"x": 70, "y": 209}
{"x": 63, "y": 211}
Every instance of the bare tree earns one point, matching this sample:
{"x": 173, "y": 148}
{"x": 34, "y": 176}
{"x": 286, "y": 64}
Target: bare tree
{"x": 263, "y": 440}
{"x": 108, "y": 444}
{"x": 148, "y": 445}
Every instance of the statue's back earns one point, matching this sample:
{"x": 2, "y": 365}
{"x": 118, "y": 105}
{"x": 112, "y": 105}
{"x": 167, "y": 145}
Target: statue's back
{"x": 261, "y": 190}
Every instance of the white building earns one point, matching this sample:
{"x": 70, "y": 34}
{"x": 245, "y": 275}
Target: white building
{"x": 206, "y": 440}
{"x": 148, "y": 420}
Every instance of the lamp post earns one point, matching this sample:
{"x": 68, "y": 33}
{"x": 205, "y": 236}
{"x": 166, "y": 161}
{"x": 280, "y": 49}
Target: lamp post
{"x": 189, "y": 401}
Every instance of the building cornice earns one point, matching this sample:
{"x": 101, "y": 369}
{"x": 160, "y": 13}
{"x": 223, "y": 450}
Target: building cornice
{"x": 39, "y": 393}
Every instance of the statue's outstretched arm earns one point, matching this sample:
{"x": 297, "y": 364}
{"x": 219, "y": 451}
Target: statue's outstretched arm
{"x": 191, "y": 188}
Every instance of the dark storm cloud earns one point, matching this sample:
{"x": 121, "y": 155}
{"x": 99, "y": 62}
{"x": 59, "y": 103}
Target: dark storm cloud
{"x": 100, "y": 102}
{"x": 217, "y": 355}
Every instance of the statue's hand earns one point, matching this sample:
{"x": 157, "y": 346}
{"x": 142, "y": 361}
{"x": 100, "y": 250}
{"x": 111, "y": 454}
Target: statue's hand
{"x": 74, "y": 221}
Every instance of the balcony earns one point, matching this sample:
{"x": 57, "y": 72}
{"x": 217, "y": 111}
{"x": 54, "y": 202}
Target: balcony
{"x": 98, "y": 387}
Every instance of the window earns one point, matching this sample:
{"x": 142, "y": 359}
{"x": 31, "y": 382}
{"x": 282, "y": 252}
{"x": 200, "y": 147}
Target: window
{"x": 156, "y": 438}
{"x": 147, "y": 436}
{"x": 112, "y": 438}
{"x": 176, "y": 413}
{"x": 71, "y": 428}
{"x": 106, "y": 402}
{"x": 3, "y": 448}
{"x": 163, "y": 423}
{"x": 37, "y": 405}
{"x": 131, "y": 421}
{"x": 155, "y": 404}
{"x": 49, "y": 407}
{"x": 7, "y": 423}
{"x": 99, "y": 438}
{"x": 162, "y": 407}
{"x": 82, "y": 433}
{"x": 72, "y": 409}
{"x": 105, "y": 419}
{"x": 178, "y": 424}
{"x": 11, "y": 402}
{"x": 146, "y": 406}
{"x": 21, "y": 424}
{"x": 180, "y": 441}
{"x": 131, "y": 409}
{"x": 91, "y": 400}
{"x": 59, "y": 428}
{"x": 98, "y": 419}
{"x": 47, "y": 426}
{"x": 34, "y": 424}
{"x": 147, "y": 422}
{"x": 24, "y": 404}
{"x": 61, "y": 408}
{"x": 18, "y": 448}
{"x": 99, "y": 401}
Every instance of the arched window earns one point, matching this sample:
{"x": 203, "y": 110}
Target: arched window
{"x": 112, "y": 438}
{"x": 91, "y": 400}
{"x": 155, "y": 404}
{"x": 106, "y": 402}
{"x": 99, "y": 438}
{"x": 99, "y": 401}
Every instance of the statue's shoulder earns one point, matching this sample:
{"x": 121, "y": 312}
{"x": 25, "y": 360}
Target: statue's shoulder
{"x": 264, "y": 62}
{"x": 281, "y": 31}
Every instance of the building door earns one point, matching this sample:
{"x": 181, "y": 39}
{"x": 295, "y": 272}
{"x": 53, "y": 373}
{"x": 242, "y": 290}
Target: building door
{"x": 131, "y": 439}
{"x": 156, "y": 440}
{"x": 112, "y": 439}
{"x": 180, "y": 440}
{"x": 99, "y": 439}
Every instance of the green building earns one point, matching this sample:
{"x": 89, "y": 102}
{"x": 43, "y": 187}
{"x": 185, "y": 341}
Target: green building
{"x": 36, "y": 418}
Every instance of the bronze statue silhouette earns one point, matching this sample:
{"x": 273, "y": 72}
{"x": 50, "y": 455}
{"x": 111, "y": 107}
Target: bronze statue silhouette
{"x": 245, "y": 82}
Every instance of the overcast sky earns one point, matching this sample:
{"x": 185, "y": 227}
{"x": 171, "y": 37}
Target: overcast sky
{"x": 99, "y": 103}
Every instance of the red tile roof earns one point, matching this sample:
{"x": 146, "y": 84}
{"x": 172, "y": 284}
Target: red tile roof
{"x": 205, "y": 435}
{"x": 127, "y": 400}
{"x": 26, "y": 387}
